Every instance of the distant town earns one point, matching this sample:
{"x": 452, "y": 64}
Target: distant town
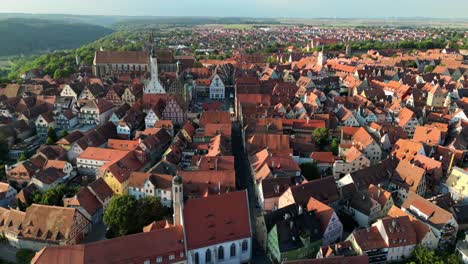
{"x": 238, "y": 143}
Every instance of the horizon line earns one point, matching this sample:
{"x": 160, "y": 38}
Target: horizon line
{"x": 243, "y": 17}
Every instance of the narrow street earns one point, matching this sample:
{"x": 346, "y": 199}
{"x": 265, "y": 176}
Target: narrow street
{"x": 244, "y": 180}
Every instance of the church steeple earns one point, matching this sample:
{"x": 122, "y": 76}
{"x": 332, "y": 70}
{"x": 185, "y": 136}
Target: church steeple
{"x": 322, "y": 58}
{"x": 178, "y": 200}
{"x": 154, "y": 86}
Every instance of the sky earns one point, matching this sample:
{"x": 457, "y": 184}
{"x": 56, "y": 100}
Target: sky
{"x": 246, "y": 8}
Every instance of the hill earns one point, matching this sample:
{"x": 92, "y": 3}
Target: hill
{"x": 27, "y": 36}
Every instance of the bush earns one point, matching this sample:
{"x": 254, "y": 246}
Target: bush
{"x": 310, "y": 171}
{"x": 24, "y": 256}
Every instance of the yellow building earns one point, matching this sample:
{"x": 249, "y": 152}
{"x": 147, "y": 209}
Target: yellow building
{"x": 457, "y": 184}
{"x": 114, "y": 183}
{"x": 117, "y": 173}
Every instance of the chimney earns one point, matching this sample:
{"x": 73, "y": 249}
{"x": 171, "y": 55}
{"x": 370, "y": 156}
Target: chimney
{"x": 299, "y": 210}
{"x": 393, "y": 223}
{"x": 291, "y": 224}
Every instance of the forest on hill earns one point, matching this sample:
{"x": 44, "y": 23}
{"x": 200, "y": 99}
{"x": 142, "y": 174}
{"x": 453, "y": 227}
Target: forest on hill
{"x": 28, "y": 36}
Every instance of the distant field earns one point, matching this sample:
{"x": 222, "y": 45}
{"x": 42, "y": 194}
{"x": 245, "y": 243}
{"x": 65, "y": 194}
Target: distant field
{"x": 392, "y": 22}
{"x": 238, "y": 26}
{"x": 4, "y": 62}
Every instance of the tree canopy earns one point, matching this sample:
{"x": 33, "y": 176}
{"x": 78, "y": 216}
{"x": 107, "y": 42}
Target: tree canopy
{"x": 310, "y": 171}
{"x": 335, "y": 146}
{"x": 125, "y": 215}
{"x": 321, "y": 137}
{"x": 54, "y": 196}
{"x": 26, "y": 36}
{"x": 423, "y": 255}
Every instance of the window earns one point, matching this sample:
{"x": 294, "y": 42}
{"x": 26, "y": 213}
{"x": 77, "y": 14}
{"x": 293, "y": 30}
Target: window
{"x": 245, "y": 245}
{"x": 233, "y": 250}
{"x": 221, "y": 253}
{"x": 159, "y": 259}
{"x": 171, "y": 257}
{"x": 147, "y": 262}
{"x": 197, "y": 258}
{"x": 208, "y": 256}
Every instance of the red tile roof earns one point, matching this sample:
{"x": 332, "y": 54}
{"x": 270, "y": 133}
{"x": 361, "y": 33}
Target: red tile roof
{"x": 216, "y": 219}
{"x": 135, "y": 248}
{"x": 121, "y": 57}
{"x": 427, "y": 135}
{"x": 323, "y": 157}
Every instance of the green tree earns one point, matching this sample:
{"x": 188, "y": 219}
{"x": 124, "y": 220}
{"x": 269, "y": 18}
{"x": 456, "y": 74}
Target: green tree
{"x": 423, "y": 255}
{"x": 125, "y": 215}
{"x": 52, "y": 134}
{"x": 49, "y": 141}
{"x": 149, "y": 209}
{"x": 310, "y": 171}
{"x": 197, "y": 64}
{"x": 64, "y": 133}
{"x": 413, "y": 64}
{"x": 24, "y": 256}
{"x": 321, "y": 137}
{"x": 272, "y": 60}
{"x": 335, "y": 146}
{"x": 429, "y": 68}
{"x": 120, "y": 215}
{"x": 54, "y": 196}
{"x": 22, "y": 157}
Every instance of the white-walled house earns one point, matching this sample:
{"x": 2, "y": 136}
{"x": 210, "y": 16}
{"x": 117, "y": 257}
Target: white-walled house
{"x": 352, "y": 161}
{"x": 92, "y": 159}
{"x": 346, "y": 117}
{"x": 151, "y": 118}
{"x": 217, "y": 88}
{"x": 43, "y": 122}
{"x": 71, "y": 91}
{"x": 399, "y": 235}
{"x": 393, "y": 239}
{"x": 408, "y": 121}
{"x": 331, "y": 226}
{"x": 95, "y": 112}
{"x": 142, "y": 184}
{"x": 442, "y": 223}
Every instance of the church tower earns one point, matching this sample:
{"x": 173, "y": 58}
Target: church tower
{"x": 154, "y": 86}
{"x": 348, "y": 50}
{"x": 322, "y": 58}
{"x": 178, "y": 200}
